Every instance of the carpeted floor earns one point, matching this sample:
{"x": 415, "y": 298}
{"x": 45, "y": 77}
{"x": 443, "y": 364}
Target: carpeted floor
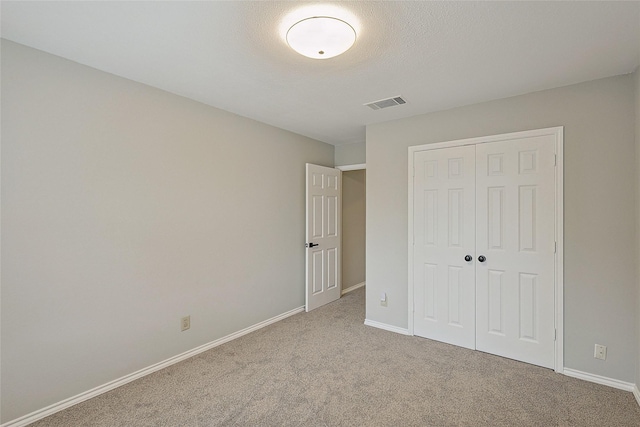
{"x": 325, "y": 368}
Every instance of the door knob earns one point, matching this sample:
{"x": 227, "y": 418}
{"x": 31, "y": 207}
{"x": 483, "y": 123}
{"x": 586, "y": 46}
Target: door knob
{"x": 482, "y": 258}
{"x": 468, "y": 258}
{"x": 310, "y": 245}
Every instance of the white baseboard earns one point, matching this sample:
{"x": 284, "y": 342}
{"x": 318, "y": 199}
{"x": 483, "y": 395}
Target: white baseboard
{"x": 386, "y": 327}
{"x": 353, "y": 288}
{"x": 622, "y": 385}
{"x": 636, "y": 393}
{"x": 64, "y": 404}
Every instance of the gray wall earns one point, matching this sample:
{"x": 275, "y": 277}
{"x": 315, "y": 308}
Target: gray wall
{"x": 353, "y": 227}
{"x": 637, "y": 92}
{"x": 125, "y": 208}
{"x": 600, "y": 280}
{"x": 350, "y": 154}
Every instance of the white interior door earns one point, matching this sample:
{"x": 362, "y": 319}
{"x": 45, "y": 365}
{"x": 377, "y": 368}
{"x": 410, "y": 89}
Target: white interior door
{"x": 515, "y": 283}
{"x": 494, "y": 199}
{"x": 324, "y": 207}
{"x": 444, "y": 234}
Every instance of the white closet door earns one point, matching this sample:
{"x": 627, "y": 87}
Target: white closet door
{"x": 515, "y": 286}
{"x": 444, "y": 233}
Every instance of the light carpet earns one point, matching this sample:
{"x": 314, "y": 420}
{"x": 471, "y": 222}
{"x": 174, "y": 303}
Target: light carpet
{"x": 326, "y": 368}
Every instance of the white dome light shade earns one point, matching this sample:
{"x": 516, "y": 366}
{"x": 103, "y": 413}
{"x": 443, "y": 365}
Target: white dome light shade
{"x": 321, "y": 37}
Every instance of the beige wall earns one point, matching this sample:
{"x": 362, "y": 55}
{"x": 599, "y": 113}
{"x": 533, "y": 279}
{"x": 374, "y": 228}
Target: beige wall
{"x": 350, "y": 154}
{"x": 600, "y": 214}
{"x": 353, "y": 227}
{"x": 125, "y": 208}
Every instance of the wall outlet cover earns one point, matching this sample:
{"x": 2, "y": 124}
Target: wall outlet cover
{"x": 600, "y": 352}
{"x": 185, "y": 323}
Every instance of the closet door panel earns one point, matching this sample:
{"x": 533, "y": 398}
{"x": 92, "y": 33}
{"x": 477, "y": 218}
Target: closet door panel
{"x": 515, "y": 224}
{"x": 444, "y": 233}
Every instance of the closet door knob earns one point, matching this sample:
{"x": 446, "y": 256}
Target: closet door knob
{"x": 468, "y": 258}
{"x": 482, "y": 258}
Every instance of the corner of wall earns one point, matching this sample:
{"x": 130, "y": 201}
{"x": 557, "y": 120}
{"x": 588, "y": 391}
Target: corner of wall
{"x": 350, "y": 154}
{"x": 636, "y": 80}
{"x": 637, "y": 257}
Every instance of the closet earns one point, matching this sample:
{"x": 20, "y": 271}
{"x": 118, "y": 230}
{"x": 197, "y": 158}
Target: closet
{"x": 483, "y": 244}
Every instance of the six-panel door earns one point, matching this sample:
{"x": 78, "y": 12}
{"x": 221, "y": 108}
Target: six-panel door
{"x": 323, "y": 235}
{"x": 515, "y": 285}
{"x": 444, "y": 234}
{"x": 494, "y": 201}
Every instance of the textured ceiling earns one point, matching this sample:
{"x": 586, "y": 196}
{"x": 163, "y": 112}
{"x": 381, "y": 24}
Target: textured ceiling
{"x": 437, "y": 55}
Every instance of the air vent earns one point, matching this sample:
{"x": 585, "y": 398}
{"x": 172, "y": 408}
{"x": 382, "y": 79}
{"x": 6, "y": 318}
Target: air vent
{"x": 384, "y": 103}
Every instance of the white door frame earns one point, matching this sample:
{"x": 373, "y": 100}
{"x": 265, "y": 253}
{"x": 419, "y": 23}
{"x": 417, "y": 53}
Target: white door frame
{"x": 357, "y": 167}
{"x": 559, "y": 222}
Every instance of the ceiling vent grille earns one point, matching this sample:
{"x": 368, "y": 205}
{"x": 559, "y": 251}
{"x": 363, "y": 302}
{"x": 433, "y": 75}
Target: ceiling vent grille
{"x": 384, "y": 103}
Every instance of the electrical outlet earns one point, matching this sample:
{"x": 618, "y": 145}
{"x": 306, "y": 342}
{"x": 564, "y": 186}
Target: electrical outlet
{"x": 185, "y": 323}
{"x": 383, "y": 299}
{"x": 600, "y": 352}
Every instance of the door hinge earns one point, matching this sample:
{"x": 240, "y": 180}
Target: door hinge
{"x": 555, "y": 247}
{"x": 555, "y": 160}
{"x": 555, "y": 334}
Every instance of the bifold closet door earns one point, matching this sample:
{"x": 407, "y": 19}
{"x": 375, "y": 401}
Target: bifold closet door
{"x": 444, "y": 234}
{"x": 515, "y": 234}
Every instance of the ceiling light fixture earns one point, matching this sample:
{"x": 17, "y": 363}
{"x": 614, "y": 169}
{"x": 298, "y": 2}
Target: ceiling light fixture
{"x": 321, "y": 37}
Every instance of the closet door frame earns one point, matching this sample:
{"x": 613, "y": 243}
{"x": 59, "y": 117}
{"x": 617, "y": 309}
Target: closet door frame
{"x": 557, "y": 132}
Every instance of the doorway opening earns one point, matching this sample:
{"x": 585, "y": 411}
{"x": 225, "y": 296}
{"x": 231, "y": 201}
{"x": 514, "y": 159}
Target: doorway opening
{"x": 353, "y": 227}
